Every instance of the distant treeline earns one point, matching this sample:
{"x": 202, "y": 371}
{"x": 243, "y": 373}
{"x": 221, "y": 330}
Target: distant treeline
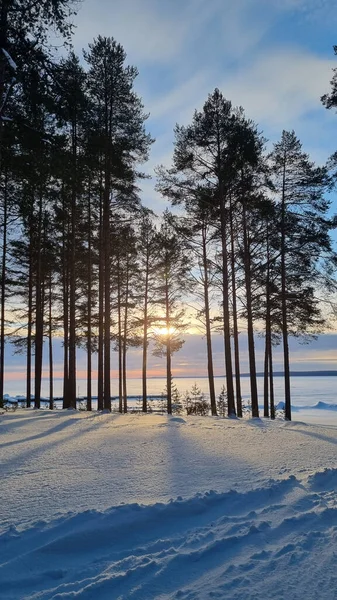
{"x": 299, "y": 374}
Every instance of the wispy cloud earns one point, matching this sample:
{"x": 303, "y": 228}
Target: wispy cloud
{"x": 137, "y": 24}
{"x": 280, "y": 87}
{"x": 265, "y": 55}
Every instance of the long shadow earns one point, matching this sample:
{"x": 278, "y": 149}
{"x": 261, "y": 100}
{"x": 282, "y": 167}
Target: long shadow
{"x": 319, "y": 436}
{"x": 40, "y": 450}
{"x": 13, "y": 421}
{"x": 38, "y": 436}
{"x": 49, "y": 416}
{"x": 190, "y": 459}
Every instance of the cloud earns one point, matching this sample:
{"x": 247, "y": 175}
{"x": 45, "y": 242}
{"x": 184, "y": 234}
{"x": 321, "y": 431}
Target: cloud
{"x": 154, "y": 32}
{"x": 185, "y": 50}
{"x": 280, "y": 87}
{"x": 261, "y": 53}
{"x": 279, "y": 90}
{"x": 150, "y": 30}
{"x": 313, "y": 9}
{"x": 134, "y": 23}
{"x": 179, "y": 98}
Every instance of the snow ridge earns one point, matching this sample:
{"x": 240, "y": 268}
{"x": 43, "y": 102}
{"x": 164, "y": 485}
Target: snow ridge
{"x": 229, "y": 545}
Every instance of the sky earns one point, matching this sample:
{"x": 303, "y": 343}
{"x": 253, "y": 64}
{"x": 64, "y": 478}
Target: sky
{"x": 273, "y": 57}
{"x": 190, "y": 361}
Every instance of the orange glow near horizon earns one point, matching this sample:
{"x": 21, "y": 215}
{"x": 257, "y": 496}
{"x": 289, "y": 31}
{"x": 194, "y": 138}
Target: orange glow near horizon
{"x": 186, "y": 371}
{"x": 158, "y": 371}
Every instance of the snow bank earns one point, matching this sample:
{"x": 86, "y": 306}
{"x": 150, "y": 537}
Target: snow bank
{"x": 151, "y": 507}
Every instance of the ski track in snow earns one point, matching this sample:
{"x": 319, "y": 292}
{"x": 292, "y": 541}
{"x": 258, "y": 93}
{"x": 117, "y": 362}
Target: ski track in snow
{"x": 269, "y": 531}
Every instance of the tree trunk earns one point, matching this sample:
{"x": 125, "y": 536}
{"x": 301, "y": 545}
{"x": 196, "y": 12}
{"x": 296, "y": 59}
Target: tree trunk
{"x": 89, "y": 371}
{"x": 89, "y": 349}
{"x": 30, "y": 320}
{"x": 266, "y": 380}
{"x": 226, "y": 319}
{"x": 72, "y": 275}
{"x": 208, "y": 325}
{"x": 145, "y": 331}
{"x": 268, "y": 332}
{"x": 65, "y": 285}
{"x": 120, "y": 338}
{"x": 250, "y": 329}
{"x": 235, "y": 319}
{"x": 225, "y": 287}
{"x": 107, "y": 318}
{"x": 100, "y": 358}
{"x": 284, "y": 303}
{"x": 50, "y": 340}
{"x": 3, "y": 44}
{"x": 169, "y": 376}
{"x": 271, "y": 378}
{"x": 39, "y": 312}
{"x": 125, "y": 395}
{"x": 39, "y": 343}
{"x": 168, "y": 350}
{"x": 3, "y": 292}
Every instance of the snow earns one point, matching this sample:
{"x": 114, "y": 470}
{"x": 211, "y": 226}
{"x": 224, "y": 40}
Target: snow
{"x": 141, "y": 507}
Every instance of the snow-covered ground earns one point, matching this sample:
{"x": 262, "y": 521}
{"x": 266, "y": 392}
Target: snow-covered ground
{"x": 140, "y": 507}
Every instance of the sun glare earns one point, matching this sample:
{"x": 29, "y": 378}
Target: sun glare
{"x": 164, "y": 330}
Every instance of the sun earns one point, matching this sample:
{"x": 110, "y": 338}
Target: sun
{"x": 163, "y": 331}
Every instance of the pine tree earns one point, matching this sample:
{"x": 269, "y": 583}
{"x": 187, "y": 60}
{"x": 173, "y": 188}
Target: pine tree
{"x": 197, "y": 229}
{"x": 72, "y": 111}
{"x": 195, "y": 402}
{"x": 172, "y": 282}
{"x": 177, "y": 404}
{"x": 218, "y": 159}
{"x": 147, "y": 257}
{"x": 24, "y": 68}
{"x": 303, "y": 237}
{"x": 246, "y": 145}
{"x": 222, "y": 403}
{"x": 119, "y": 125}
{"x": 126, "y": 275}
{"x": 200, "y": 161}
{"x": 330, "y": 100}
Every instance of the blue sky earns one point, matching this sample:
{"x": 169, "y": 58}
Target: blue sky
{"x": 273, "y": 57}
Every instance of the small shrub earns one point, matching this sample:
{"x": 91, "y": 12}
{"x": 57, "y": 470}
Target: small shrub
{"x": 222, "y": 403}
{"x": 177, "y": 405}
{"x": 195, "y": 402}
{"x": 9, "y": 405}
{"x": 82, "y": 405}
{"x": 163, "y": 403}
{"x": 247, "y": 409}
